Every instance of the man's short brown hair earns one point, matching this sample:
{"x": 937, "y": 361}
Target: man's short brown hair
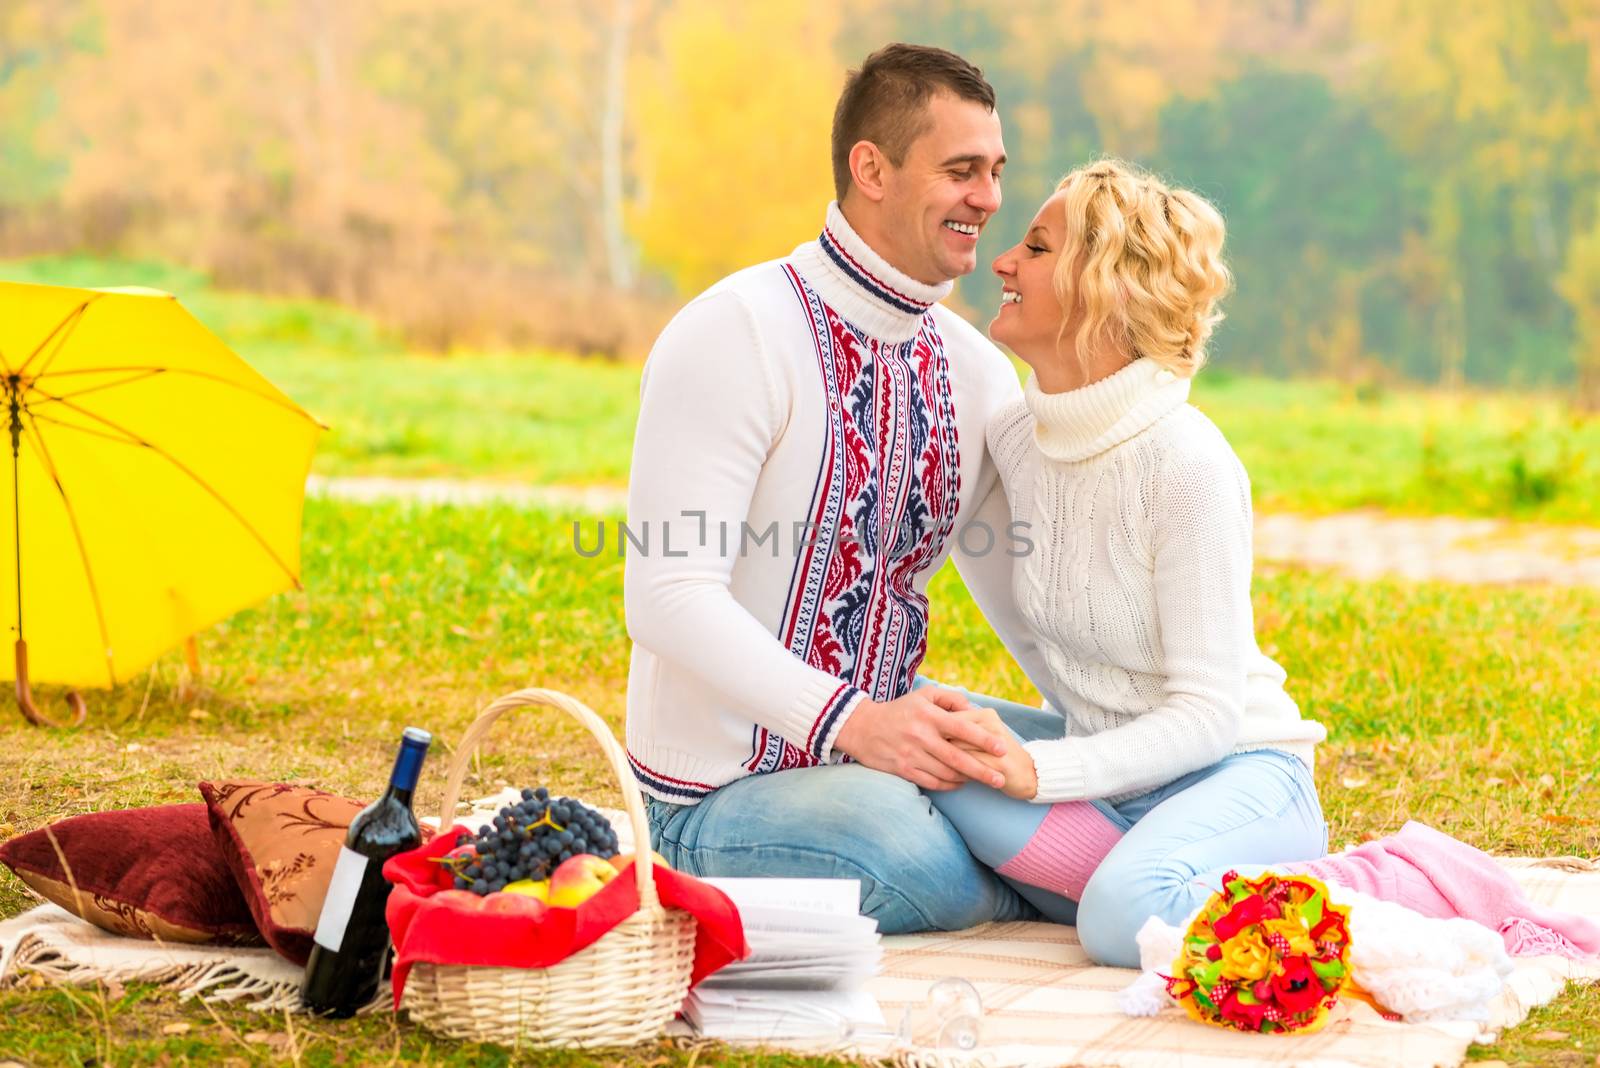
{"x": 885, "y": 102}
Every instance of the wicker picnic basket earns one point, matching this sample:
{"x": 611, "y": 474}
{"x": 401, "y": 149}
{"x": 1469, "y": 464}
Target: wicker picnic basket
{"x": 620, "y": 991}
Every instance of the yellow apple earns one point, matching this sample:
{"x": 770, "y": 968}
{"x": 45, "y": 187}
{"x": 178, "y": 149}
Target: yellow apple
{"x": 622, "y": 860}
{"x": 540, "y": 889}
{"x": 579, "y": 879}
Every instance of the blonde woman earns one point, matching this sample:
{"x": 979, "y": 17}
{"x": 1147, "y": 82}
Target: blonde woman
{"x": 1184, "y": 756}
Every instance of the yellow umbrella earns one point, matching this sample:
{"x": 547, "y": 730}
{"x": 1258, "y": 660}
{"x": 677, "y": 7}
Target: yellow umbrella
{"x": 157, "y": 481}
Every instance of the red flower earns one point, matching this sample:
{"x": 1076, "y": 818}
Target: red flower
{"x": 1331, "y": 928}
{"x": 1251, "y": 910}
{"x": 1237, "y": 1012}
{"x": 1296, "y": 988}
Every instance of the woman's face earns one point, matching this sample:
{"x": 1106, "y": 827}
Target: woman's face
{"x": 1029, "y": 321}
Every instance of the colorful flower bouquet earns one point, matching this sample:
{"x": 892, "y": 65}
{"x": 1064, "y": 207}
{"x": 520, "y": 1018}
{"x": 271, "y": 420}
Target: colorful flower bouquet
{"x": 1268, "y": 955}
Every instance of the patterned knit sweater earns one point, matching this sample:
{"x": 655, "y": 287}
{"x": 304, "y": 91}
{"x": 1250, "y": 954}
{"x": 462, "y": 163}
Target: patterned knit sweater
{"x": 1137, "y": 590}
{"x": 810, "y": 450}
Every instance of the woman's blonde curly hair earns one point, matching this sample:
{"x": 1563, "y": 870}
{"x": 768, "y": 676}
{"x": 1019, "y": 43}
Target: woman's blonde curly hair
{"x": 1144, "y": 262}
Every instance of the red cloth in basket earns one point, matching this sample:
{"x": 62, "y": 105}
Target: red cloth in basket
{"x": 460, "y": 932}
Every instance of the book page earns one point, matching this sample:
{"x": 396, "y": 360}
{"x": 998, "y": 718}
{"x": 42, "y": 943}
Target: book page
{"x": 834, "y": 897}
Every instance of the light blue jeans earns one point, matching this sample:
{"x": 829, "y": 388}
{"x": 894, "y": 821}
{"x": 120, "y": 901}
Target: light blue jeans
{"x": 845, "y": 821}
{"x": 1247, "y": 811}
{"x": 925, "y": 861}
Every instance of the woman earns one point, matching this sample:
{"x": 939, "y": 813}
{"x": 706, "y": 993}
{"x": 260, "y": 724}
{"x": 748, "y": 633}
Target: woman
{"x": 1184, "y": 756}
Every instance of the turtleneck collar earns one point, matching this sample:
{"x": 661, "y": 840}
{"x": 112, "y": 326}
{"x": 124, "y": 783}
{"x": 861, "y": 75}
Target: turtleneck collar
{"x": 1084, "y": 422}
{"x": 860, "y": 284}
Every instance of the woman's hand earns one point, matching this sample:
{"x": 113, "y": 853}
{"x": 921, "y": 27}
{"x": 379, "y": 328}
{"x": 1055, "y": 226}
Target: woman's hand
{"x": 923, "y": 738}
{"x": 1022, "y": 778}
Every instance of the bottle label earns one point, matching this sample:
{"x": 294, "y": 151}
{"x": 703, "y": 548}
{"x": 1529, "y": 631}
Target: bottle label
{"x": 341, "y": 899}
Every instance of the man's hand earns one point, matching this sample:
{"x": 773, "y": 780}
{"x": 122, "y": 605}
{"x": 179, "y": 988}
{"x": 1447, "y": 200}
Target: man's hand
{"x": 924, "y": 737}
{"x": 1021, "y": 777}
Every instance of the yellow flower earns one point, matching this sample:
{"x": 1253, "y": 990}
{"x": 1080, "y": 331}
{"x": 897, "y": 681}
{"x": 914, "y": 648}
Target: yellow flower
{"x": 1245, "y": 956}
{"x": 1294, "y": 932}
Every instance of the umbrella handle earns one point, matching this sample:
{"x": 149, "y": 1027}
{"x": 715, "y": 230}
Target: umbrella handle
{"x": 190, "y": 686}
{"x": 30, "y": 711}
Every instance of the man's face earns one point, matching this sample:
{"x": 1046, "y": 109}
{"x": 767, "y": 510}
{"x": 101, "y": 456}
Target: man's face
{"x": 936, "y": 203}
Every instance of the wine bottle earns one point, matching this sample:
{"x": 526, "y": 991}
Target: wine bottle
{"x": 352, "y": 938}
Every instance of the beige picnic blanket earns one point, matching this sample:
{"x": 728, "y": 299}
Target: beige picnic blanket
{"x": 49, "y": 945}
{"x": 1044, "y": 1002}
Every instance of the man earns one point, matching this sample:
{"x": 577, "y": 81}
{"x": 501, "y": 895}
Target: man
{"x": 811, "y": 433}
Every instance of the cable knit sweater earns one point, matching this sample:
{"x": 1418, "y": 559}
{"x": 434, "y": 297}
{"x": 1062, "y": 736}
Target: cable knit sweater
{"x": 1137, "y": 590}
{"x": 809, "y": 451}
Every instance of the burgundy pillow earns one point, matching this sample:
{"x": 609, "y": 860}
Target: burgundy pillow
{"x": 151, "y": 873}
{"x": 281, "y": 843}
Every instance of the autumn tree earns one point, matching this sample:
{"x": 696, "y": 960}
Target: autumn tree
{"x": 1579, "y": 283}
{"x": 1492, "y": 106}
{"x": 254, "y": 119}
{"x": 1314, "y": 200}
{"x": 731, "y": 111}
{"x": 1413, "y": 183}
{"x": 36, "y": 37}
{"x": 511, "y": 95}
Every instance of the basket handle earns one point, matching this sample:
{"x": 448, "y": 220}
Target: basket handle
{"x": 632, "y": 800}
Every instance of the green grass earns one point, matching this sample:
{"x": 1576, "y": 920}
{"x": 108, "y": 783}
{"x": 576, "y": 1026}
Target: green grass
{"x": 535, "y": 417}
{"x": 256, "y": 325}
{"x": 546, "y": 419}
{"x": 1468, "y": 708}
{"x": 1324, "y": 447}
{"x": 531, "y": 417}
{"x": 84, "y": 1027}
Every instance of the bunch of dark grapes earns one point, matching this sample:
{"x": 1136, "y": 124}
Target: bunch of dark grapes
{"x": 531, "y": 839}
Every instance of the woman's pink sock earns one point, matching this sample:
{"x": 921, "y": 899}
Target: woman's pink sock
{"x": 1066, "y": 849}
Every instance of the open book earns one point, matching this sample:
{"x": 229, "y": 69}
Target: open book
{"x": 810, "y": 953}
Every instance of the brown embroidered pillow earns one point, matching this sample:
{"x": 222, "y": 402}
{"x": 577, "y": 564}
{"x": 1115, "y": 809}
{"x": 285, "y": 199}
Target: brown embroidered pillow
{"x": 281, "y": 843}
{"x": 151, "y": 873}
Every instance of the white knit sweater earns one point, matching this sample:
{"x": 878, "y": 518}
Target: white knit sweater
{"x": 1137, "y": 591}
{"x": 827, "y": 389}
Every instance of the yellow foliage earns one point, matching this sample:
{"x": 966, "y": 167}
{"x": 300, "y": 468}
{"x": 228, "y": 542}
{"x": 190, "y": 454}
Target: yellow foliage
{"x": 510, "y": 94}
{"x": 1472, "y": 78}
{"x": 1134, "y": 57}
{"x": 224, "y": 109}
{"x": 730, "y": 119}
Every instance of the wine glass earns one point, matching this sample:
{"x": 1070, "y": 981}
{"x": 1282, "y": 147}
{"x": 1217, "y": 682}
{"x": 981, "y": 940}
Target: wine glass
{"x": 950, "y": 1018}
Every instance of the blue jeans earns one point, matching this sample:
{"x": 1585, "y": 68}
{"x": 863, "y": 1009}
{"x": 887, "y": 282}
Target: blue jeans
{"x": 1247, "y": 811}
{"x": 845, "y": 821}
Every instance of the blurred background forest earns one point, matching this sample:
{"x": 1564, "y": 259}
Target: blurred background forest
{"x": 1412, "y": 188}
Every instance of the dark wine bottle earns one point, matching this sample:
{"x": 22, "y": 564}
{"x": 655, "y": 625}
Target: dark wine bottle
{"x": 352, "y": 939}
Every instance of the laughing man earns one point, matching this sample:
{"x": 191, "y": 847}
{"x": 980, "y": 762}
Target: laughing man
{"x": 810, "y": 450}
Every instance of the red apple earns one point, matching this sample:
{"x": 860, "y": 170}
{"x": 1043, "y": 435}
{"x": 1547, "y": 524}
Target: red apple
{"x": 514, "y": 905}
{"x": 465, "y": 899}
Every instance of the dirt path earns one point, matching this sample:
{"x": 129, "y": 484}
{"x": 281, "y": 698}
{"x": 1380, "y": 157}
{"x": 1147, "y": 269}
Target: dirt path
{"x": 452, "y": 491}
{"x": 1361, "y": 544}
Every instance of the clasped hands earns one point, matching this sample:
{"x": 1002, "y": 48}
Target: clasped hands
{"x": 938, "y": 740}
